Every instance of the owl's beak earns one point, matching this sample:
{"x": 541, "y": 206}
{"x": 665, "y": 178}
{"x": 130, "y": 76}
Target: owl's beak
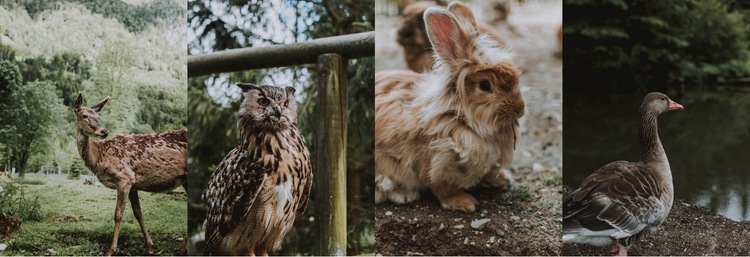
{"x": 277, "y": 111}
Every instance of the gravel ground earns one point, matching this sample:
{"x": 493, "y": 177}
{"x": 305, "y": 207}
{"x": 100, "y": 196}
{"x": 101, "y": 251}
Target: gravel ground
{"x": 525, "y": 220}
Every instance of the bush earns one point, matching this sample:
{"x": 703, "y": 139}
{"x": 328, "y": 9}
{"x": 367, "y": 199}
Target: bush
{"x": 76, "y": 168}
{"x": 13, "y": 202}
{"x": 633, "y": 45}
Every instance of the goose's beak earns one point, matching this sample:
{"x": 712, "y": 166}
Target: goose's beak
{"x": 674, "y": 106}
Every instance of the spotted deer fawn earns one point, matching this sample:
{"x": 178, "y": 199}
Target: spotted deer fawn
{"x": 130, "y": 163}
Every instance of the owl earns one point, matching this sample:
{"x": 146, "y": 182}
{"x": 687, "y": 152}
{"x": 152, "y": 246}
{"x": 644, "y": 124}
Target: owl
{"x": 261, "y": 185}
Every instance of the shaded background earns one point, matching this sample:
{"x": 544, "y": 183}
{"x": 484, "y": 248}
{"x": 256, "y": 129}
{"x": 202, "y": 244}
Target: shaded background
{"x": 218, "y": 25}
{"x": 694, "y": 51}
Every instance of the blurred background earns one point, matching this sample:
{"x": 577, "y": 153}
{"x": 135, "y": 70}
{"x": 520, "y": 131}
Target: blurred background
{"x": 217, "y": 25}
{"x": 130, "y": 50}
{"x": 521, "y": 221}
{"x": 696, "y": 52}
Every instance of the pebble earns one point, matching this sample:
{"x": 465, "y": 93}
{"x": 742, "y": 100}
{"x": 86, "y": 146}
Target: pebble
{"x": 466, "y": 240}
{"x": 515, "y": 218}
{"x": 388, "y": 213}
{"x": 537, "y": 167}
{"x": 458, "y": 226}
{"x": 492, "y": 239}
{"x": 442, "y": 226}
{"x": 500, "y": 233}
{"x": 479, "y": 223}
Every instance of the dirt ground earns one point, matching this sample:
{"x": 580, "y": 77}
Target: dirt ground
{"x": 689, "y": 230}
{"x": 525, "y": 220}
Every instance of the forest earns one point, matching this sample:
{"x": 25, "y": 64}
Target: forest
{"x": 51, "y": 50}
{"x": 626, "y": 46}
{"x": 217, "y": 25}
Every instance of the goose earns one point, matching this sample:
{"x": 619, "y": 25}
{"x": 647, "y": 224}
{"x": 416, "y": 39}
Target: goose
{"x": 624, "y": 202}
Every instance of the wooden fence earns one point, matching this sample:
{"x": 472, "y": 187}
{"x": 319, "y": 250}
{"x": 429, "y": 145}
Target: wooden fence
{"x": 331, "y": 56}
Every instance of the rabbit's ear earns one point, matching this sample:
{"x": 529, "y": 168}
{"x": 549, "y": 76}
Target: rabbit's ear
{"x": 447, "y": 38}
{"x": 464, "y": 15}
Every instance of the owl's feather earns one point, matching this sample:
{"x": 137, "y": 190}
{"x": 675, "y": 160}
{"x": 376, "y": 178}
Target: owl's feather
{"x": 258, "y": 189}
{"x": 237, "y": 182}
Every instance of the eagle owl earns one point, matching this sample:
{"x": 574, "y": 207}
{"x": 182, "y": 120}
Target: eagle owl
{"x": 261, "y": 185}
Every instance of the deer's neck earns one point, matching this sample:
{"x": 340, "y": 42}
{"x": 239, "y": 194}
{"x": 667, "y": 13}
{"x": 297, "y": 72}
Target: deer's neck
{"x": 88, "y": 149}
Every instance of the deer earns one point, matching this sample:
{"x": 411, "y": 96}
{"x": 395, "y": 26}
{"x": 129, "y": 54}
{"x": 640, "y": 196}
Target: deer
{"x": 130, "y": 163}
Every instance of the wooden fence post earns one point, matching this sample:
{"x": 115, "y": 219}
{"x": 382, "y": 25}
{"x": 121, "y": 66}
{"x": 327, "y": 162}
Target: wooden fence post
{"x": 330, "y": 172}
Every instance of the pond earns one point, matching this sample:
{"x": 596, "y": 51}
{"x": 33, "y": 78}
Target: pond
{"x": 707, "y": 143}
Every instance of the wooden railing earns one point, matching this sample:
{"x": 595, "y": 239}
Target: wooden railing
{"x": 331, "y": 56}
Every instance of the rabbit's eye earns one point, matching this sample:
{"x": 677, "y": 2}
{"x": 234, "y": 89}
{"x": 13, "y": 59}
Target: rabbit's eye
{"x": 263, "y": 102}
{"x": 485, "y": 86}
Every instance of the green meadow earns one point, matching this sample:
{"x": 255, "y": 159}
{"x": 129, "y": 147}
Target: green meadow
{"x": 78, "y": 219}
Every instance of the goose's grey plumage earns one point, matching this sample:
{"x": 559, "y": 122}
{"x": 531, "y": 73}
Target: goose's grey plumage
{"x": 624, "y": 202}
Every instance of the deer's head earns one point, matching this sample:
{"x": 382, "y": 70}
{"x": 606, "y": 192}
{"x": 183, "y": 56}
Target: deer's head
{"x": 87, "y": 118}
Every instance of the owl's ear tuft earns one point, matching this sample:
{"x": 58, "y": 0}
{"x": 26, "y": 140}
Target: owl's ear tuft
{"x": 247, "y": 86}
{"x": 290, "y": 90}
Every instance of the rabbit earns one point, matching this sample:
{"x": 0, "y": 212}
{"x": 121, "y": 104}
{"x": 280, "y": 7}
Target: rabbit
{"x": 453, "y": 128}
{"x": 413, "y": 38}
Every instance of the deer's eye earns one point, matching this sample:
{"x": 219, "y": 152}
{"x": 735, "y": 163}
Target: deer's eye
{"x": 263, "y": 102}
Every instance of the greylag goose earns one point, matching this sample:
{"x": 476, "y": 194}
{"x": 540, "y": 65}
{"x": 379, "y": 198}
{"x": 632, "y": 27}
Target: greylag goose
{"x": 624, "y": 202}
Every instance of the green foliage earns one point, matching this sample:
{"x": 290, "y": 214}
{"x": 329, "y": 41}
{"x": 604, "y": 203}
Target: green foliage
{"x": 629, "y": 45}
{"x": 13, "y": 201}
{"x": 135, "y": 17}
{"x": 522, "y": 193}
{"x": 76, "y": 169}
{"x": 37, "y": 102}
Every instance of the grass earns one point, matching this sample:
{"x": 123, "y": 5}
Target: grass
{"x": 522, "y": 193}
{"x": 90, "y": 211}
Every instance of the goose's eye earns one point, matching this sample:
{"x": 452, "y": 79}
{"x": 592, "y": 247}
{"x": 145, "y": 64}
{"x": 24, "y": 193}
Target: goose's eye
{"x": 286, "y": 103}
{"x": 263, "y": 102}
{"x": 663, "y": 99}
{"x": 485, "y": 86}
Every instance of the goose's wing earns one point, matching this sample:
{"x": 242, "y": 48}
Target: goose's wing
{"x": 617, "y": 201}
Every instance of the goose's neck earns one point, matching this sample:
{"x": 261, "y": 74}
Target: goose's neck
{"x": 651, "y": 148}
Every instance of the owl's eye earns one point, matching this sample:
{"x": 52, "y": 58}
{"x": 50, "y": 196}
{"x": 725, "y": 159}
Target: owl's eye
{"x": 263, "y": 102}
{"x": 286, "y": 103}
{"x": 485, "y": 86}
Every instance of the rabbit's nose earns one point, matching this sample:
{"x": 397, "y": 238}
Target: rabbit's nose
{"x": 519, "y": 106}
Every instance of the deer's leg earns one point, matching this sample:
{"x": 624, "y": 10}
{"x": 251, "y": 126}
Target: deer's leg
{"x": 121, "y": 200}
{"x": 136, "y": 204}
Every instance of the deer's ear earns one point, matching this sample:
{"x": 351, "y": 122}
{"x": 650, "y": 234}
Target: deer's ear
{"x": 98, "y": 107}
{"x": 79, "y": 101}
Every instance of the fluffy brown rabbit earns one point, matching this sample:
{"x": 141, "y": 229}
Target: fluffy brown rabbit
{"x": 453, "y": 128}
{"x": 413, "y": 38}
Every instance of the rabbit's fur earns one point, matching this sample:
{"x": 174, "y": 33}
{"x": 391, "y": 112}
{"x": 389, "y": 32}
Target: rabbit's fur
{"x": 413, "y": 38}
{"x": 453, "y": 128}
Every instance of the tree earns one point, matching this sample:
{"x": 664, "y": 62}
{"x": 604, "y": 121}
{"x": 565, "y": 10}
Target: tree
{"x": 36, "y": 110}
{"x": 629, "y": 45}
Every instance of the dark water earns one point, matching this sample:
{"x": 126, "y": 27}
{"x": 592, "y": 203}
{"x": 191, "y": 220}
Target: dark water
{"x": 707, "y": 143}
